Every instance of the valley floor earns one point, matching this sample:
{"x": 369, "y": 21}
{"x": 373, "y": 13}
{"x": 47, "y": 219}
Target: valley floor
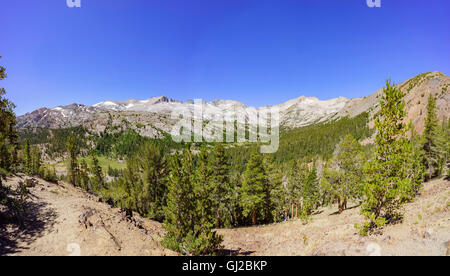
{"x": 67, "y": 221}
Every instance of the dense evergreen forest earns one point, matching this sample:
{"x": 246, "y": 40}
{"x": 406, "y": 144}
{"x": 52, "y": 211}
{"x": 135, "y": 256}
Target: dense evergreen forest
{"x": 321, "y": 139}
{"x": 196, "y": 188}
{"x": 120, "y": 144}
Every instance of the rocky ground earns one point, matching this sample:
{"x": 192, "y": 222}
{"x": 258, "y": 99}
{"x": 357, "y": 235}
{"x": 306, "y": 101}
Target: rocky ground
{"x": 64, "y": 220}
{"x": 425, "y": 231}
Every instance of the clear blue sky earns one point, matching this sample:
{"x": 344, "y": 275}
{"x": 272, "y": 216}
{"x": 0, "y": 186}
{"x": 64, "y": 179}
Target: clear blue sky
{"x": 255, "y": 51}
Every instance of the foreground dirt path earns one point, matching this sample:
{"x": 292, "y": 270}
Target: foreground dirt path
{"x": 425, "y": 231}
{"x": 67, "y": 221}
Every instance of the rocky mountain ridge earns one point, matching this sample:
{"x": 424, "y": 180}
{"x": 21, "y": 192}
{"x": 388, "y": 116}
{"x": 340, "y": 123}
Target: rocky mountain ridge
{"x": 153, "y": 116}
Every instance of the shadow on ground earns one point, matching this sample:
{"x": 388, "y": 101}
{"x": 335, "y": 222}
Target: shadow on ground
{"x": 349, "y": 208}
{"x": 231, "y": 252}
{"x": 15, "y": 234}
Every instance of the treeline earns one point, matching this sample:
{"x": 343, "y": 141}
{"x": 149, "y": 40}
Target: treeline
{"x": 125, "y": 143}
{"x": 54, "y": 141}
{"x": 307, "y": 143}
{"x": 112, "y": 142}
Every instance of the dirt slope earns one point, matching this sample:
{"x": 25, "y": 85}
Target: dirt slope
{"x": 425, "y": 231}
{"x": 67, "y": 221}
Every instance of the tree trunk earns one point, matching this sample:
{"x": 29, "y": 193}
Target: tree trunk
{"x": 266, "y": 219}
{"x": 218, "y": 222}
{"x": 254, "y": 217}
{"x": 339, "y": 205}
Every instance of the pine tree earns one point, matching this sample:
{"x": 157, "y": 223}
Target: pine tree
{"x": 253, "y": 192}
{"x": 187, "y": 223}
{"x": 431, "y": 136}
{"x": 273, "y": 183}
{"x": 236, "y": 210}
{"x": 8, "y": 139}
{"x": 332, "y": 187}
{"x": 133, "y": 188}
{"x": 72, "y": 150}
{"x": 8, "y": 133}
{"x": 297, "y": 176}
{"x": 310, "y": 194}
{"x": 203, "y": 190}
{"x": 27, "y": 155}
{"x": 5, "y": 160}
{"x": 344, "y": 180}
{"x": 97, "y": 173}
{"x": 442, "y": 140}
{"x": 387, "y": 185}
{"x": 83, "y": 175}
{"x": 180, "y": 202}
{"x": 35, "y": 161}
{"x": 446, "y": 159}
{"x": 152, "y": 160}
{"x": 223, "y": 189}
{"x": 280, "y": 200}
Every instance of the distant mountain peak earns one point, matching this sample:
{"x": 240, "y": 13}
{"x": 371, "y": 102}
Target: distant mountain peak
{"x": 132, "y": 104}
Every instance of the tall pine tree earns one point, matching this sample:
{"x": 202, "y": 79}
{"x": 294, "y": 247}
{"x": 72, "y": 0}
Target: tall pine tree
{"x": 83, "y": 178}
{"x": 345, "y": 178}
{"x": 298, "y": 173}
{"x": 310, "y": 194}
{"x": 253, "y": 193}
{"x": 271, "y": 189}
{"x": 431, "y": 136}
{"x": 223, "y": 190}
{"x": 388, "y": 185}
{"x": 97, "y": 173}
{"x": 8, "y": 133}
{"x": 27, "y": 155}
{"x": 153, "y": 163}
{"x": 187, "y": 223}
{"x": 72, "y": 150}
{"x": 36, "y": 162}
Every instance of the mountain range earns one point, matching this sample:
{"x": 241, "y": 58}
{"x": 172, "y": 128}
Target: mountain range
{"x": 152, "y": 117}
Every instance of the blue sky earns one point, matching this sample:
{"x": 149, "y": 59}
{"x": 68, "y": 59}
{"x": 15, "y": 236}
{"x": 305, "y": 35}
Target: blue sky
{"x": 255, "y": 51}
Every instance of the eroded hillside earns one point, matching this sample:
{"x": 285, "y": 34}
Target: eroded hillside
{"x": 63, "y": 220}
